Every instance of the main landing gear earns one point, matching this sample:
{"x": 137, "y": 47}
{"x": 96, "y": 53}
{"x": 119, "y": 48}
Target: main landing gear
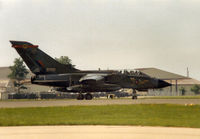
{"x": 134, "y": 95}
{"x": 80, "y": 97}
{"x": 87, "y": 96}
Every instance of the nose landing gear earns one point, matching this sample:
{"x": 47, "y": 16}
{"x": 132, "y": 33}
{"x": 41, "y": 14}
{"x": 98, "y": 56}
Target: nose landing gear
{"x": 134, "y": 95}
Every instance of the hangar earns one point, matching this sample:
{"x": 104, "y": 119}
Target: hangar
{"x": 177, "y": 81}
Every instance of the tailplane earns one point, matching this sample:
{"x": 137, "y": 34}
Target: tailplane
{"x": 38, "y": 61}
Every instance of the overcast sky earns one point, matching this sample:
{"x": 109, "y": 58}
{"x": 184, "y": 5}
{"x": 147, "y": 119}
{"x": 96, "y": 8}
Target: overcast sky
{"x": 114, "y": 34}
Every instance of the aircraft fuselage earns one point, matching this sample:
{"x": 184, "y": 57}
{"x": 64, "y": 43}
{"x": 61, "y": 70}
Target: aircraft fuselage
{"x": 112, "y": 82}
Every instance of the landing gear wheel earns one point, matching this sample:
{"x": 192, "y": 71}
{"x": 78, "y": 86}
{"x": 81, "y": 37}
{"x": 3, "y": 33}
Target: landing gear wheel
{"x": 88, "y": 96}
{"x": 80, "y": 97}
{"x": 134, "y": 96}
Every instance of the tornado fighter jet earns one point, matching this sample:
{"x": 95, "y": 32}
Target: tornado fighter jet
{"x": 47, "y": 71}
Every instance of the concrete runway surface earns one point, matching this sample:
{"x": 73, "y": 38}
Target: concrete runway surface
{"x": 46, "y": 103}
{"x": 97, "y": 132}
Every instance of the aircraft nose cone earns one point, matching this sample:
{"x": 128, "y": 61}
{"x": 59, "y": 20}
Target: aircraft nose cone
{"x": 162, "y": 84}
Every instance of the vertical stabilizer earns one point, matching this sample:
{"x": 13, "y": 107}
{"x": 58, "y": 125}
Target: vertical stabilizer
{"x": 38, "y": 61}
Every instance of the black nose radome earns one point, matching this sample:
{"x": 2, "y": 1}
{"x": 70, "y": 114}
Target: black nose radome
{"x": 162, "y": 84}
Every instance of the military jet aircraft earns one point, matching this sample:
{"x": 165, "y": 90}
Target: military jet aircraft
{"x": 47, "y": 71}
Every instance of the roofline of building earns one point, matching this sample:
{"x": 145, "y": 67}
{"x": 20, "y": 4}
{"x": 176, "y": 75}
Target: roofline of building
{"x": 181, "y": 76}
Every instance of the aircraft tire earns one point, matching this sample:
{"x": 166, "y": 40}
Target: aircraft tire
{"x": 134, "y": 97}
{"x": 80, "y": 97}
{"x": 88, "y": 96}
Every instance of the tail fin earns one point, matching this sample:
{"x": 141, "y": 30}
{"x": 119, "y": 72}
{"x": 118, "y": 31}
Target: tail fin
{"x": 38, "y": 61}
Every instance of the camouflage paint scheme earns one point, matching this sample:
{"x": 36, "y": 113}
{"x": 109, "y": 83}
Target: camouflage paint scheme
{"x": 51, "y": 73}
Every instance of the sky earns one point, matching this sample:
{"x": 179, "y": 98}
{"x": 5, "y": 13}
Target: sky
{"x": 107, "y": 34}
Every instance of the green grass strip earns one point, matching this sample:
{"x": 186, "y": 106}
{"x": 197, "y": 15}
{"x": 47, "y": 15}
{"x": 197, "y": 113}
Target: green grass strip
{"x": 141, "y": 114}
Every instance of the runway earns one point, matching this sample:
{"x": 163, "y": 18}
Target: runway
{"x": 46, "y": 103}
{"x": 97, "y": 132}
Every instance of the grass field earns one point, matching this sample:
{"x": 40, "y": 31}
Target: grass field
{"x": 144, "y": 115}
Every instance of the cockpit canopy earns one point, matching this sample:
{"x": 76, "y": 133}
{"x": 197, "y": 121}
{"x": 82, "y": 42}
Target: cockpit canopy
{"x": 130, "y": 72}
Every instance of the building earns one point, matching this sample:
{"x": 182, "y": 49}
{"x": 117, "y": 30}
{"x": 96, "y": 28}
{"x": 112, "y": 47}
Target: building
{"x": 7, "y": 84}
{"x": 177, "y": 81}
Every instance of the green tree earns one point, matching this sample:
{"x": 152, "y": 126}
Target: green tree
{"x": 65, "y": 60}
{"x": 196, "y": 89}
{"x": 182, "y": 90}
{"x": 18, "y": 73}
